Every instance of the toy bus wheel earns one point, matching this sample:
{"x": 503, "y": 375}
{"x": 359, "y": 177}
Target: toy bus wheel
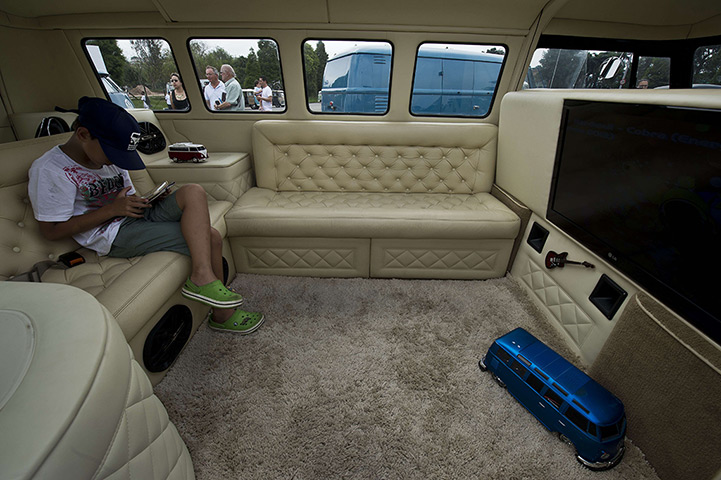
{"x": 565, "y": 440}
{"x": 482, "y": 364}
{"x": 498, "y": 380}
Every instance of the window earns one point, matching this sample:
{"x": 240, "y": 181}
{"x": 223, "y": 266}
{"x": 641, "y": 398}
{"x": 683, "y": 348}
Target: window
{"x": 238, "y": 75}
{"x": 553, "y": 397}
{"x": 456, "y": 80}
{"x": 567, "y": 68}
{"x": 707, "y": 67}
{"x": 575, "y": 416}
{"x": 136, "y": 73}
{"x": 518, "y": 368}
{"x": 535, "y": 383}
{"x": 502, "y": 355}
{"x": 347, "y": 76}
{"x": 653, "y": 72}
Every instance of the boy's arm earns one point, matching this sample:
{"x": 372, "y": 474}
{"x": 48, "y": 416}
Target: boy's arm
{"x": 123, "y": 206}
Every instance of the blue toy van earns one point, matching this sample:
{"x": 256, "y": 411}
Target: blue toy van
{"x": 560, "y": 396}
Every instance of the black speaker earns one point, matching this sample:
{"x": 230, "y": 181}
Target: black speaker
{"x": 537, "y": 237}
{"x": 608, "y": 296}
{"x": 167, "y": 338}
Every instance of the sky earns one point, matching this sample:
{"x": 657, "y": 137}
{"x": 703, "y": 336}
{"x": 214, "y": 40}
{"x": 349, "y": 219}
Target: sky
{"x": 238, "y": 47}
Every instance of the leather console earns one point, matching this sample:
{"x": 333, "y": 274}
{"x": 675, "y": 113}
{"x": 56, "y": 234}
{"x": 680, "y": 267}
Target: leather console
{"x": 77, "y": 405}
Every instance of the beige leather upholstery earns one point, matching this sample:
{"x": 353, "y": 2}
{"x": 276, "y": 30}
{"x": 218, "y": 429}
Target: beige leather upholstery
{"x": 136, "y": 291}
{"x": 83, "y": 407}
{"x": 333, "y": 196}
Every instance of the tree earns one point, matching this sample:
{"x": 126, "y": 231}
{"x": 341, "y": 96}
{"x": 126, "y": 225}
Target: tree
{"x": 310, "y": 62}
{"x": 113, "y": 56}
{"x": 152, "y": 56}
{"x": 707, "y": 65}
{"x": 252, "y": 69}
{"x": 322, "y": 60}
{"x": 269, "y": 61}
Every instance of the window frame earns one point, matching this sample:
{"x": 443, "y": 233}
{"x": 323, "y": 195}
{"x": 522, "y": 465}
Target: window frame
{"x": 83, "y": 44}
{"x": 244, "y": 112}
{"x": 495, "y": 91}
{"x": 365, "y": 40}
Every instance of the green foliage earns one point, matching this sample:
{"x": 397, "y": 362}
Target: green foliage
{"x": 314, "y": 65}
{"x": 252, "y": 70}
{"x": 707, "y": 63}
{"x": 113, "y": 56}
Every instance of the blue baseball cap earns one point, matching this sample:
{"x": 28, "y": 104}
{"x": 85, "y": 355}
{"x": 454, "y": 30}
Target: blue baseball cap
{"x": 116, "y": 130}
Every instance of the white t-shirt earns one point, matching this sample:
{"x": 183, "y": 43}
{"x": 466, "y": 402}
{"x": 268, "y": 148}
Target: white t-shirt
{"x": 212, "y": 94}
{"x": 60, "y": 189}
{"x": 267, "y": 106}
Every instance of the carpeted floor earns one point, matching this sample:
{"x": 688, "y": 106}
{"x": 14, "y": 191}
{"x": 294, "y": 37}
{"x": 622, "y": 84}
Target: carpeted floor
{"x": 367, "y": 379}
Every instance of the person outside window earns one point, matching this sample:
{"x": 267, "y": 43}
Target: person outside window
{"x": 82, "y": 189}
{"x": 234, "y": 100}
{"x": 214, "y": 91}
{"x": 178, "y": 97}
{"x": 265, "y": 96}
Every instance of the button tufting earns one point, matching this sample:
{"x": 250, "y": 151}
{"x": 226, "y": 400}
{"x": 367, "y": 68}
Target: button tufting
{"x": 51, "y": 256}
{"x": 21, "y": 224}
{"x": 16, "y": 249}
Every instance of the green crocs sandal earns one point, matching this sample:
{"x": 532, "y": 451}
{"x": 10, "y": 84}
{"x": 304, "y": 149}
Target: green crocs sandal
{"x": 213, "y": 294}
{"x": 241, "y": 322}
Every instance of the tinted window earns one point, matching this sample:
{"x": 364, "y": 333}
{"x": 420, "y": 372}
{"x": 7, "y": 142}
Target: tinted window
{"x": 566, "y": 68}
{"x": 535, "y": 383}
{"x": 502, "y": 355}
{"x": 653, "y": 72}
{"x": 240, "y": 62}
{"x": 592, "y": 429}
{"x": 347, "y": 76}
{"x": 707, "y": 66}
{"x": 456, "y": 80}
{"x": 608, "y": 432}
{"x": 135, "y": 73}
{"x": 518, "y": 368}
{"x": 553, "y": 397}
{"x": 575, "y": 416}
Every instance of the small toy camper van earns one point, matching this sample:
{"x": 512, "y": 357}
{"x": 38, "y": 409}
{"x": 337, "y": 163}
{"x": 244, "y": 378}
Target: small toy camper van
{"x": 187, "y": 152}
{"x": 560, "y": 396}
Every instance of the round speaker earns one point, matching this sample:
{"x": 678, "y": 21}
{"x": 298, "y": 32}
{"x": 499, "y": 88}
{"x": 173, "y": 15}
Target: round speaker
{"x": 152, "y": 139}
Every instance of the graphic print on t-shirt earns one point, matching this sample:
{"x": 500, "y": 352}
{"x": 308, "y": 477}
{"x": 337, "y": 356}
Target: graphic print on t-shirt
{"x": 95, "y": 190}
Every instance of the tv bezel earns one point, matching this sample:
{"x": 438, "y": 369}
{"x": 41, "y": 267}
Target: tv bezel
{"x": 666, "y": 294}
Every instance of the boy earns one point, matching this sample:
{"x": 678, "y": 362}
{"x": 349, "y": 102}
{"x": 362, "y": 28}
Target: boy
{"x": 82, "y": 189}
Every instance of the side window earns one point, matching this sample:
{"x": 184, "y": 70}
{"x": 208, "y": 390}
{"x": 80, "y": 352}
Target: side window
{"x": 238, "y": 75}
{"x": 553, "y": 397}
{"x": 519, "y": 369}
{"x": 456, "y": 80}
{"x": 566, "y": 68}
{"x": 137, "y": 72}
{"x": 707, "y": 67}
{"x": 502, "y": 355}
{"x": 535, "y": 383}
{"x": 653, "y": 72}
{"x": 575, "y": 416}
{"x": 347, "y": 76}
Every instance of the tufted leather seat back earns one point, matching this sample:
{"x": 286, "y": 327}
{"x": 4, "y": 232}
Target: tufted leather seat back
{"x": 371, "y": 157}
{"x": 21, "y": 245}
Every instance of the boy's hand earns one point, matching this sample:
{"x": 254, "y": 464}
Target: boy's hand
{"x": 126, "y": 205}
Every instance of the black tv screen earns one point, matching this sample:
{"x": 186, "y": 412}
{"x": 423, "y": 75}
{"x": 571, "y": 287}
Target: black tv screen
{"x": 640, "y": 185}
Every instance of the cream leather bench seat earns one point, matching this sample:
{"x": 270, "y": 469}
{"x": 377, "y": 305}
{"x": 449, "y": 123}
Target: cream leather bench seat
{"x": 373, "y": 199}
{"x": 137, "y": 291}
{"x": 73, "y": 402}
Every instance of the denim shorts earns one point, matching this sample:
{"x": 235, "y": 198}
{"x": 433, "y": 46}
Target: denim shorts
{"x": 158, "y": 231}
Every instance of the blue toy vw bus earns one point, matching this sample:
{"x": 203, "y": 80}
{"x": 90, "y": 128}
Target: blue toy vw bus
{"x": 560, "y": 396}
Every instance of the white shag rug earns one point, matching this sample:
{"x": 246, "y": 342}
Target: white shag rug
{"x": 367, "y": 379}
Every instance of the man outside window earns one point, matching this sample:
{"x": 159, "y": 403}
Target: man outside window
{"x": 265, "y": 96}
{"x": 214, "y": 92}
{"x": 234, "y": 100}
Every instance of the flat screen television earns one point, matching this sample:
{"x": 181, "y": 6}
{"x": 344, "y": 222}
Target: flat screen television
{"x": 640, "y": 185}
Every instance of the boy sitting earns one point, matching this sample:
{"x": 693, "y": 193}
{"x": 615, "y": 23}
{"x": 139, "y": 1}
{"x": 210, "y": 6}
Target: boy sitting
{"x": 82, "y": 189}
